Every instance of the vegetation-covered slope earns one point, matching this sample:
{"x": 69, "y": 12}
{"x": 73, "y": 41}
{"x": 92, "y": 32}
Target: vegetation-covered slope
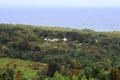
{"x": 44, "y": 44}
{"x": 28, "y": 69}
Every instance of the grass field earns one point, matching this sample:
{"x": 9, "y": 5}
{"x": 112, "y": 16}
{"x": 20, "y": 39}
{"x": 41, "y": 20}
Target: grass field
{"x": 27, "y": 67}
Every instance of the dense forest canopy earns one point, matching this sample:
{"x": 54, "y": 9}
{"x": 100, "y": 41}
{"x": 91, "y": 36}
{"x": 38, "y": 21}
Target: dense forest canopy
{"x": 62, "y": 48}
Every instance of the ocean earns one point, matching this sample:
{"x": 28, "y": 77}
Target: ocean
{"x": 77, "y": 18}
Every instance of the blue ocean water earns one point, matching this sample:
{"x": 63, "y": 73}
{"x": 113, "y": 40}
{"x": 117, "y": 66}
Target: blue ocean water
{"x": 78, "y": 18}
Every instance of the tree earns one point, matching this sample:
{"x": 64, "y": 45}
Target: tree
{"x": 96, "y": 71}
{"x": 19, "y": 76}
{"x": 52, "y": 68}
{"x": 114, "y": 74}
{"x": 24, "y": 45}
{"x": 6, "y": 74}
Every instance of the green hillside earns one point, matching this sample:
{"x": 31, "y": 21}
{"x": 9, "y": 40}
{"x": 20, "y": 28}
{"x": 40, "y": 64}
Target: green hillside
{"x": 29, "y": 69}
{"x": 62, "y": 48}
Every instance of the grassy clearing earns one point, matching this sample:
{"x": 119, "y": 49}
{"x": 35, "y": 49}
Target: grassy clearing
{"x": 27, "y": 67}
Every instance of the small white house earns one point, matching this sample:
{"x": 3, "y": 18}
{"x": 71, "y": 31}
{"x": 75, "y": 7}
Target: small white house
{"x": 51, "y": 40}
{"x": 80, "y": 44}
{"x": 45, "y": 39}
{"x": 96, "y": 41}
{"x": 65, "y": 39}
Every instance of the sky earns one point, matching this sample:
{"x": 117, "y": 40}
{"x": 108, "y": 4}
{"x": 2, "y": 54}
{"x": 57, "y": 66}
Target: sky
{"x": 100, "y": 15}
{"x": 60, "y": 3}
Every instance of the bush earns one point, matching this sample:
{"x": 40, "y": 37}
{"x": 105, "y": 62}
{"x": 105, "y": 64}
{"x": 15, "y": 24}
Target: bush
{"x": 52, "y": 68}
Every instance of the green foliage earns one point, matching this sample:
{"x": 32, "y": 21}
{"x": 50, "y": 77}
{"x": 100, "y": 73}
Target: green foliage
{"x": 96, "y": 71}
{"x": 26, "y": 68}
{"x": 75, "y": 77}
{"x": 23, "y": 45}
{"x": 84, "y": 78}
{"x": 83, "y": 48}
{"x": 114, "y": 74}
{"x": 22, "y": 41}
{"x": 6, "y": 74}
{"x": 52, "y": 68}
{"x": 58, "y": 76}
